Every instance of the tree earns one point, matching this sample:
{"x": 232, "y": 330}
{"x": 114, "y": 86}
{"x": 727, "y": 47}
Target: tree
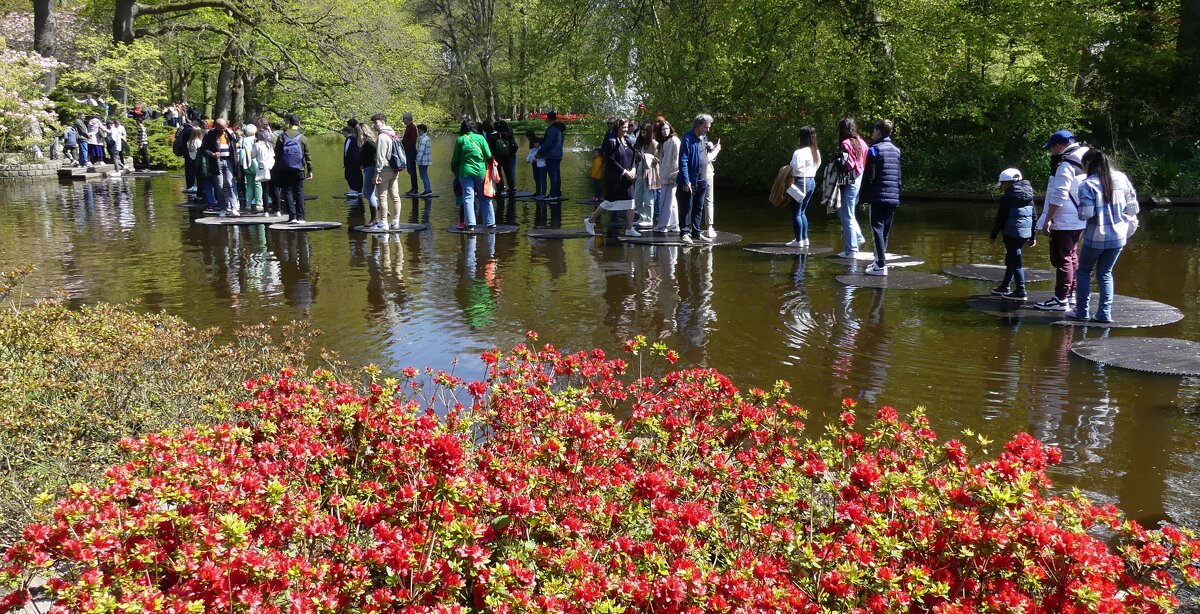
{"x": 45, "y": 29}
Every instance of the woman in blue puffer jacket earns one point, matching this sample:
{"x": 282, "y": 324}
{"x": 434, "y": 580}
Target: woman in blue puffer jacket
{"x": 1014, "y": 219}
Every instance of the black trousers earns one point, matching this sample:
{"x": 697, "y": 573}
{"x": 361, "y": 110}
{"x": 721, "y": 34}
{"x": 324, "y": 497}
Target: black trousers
{"x": 881, "y": 229}
{"x": 291, "y": 188}
{"x": 354, "y": 177}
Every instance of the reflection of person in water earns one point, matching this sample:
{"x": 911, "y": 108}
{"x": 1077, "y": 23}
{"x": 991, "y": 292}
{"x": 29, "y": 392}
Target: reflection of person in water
{"x": 1003, "y": 390}
{"x": 879, "y": 357}
{"x": 796, "y": 309}
{"x": 478, "y": 291}
{"x": 1071, "y": 409}
{"x": 387, "y": 289}
{"x": 695, "y": 311}
{"x": 294, "y": 254}
{"x": 547, "y": 214}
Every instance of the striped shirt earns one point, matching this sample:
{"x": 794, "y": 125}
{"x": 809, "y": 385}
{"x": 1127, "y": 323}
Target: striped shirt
{"x": 142, "y": 138}
{"x": 1107, "y": 223}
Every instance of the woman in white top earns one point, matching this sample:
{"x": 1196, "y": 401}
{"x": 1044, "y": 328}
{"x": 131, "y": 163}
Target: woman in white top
{"x": 668, "y": 170}
{"x": 805, "y": 161}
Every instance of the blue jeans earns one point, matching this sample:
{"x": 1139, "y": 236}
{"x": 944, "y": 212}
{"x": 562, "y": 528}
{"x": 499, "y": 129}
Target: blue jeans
{"x": 851, "y": 231}
{"x": 472, "y": 187}
{"x": 424, "y": 168}
{"x": 369, "y": 187}
{"x": 1014, "y": 268}
{"x": 691, "y": 211}
{"x": 1102, "y": 262}
{"x": 799, "y": 216}
{"x": 225, "y": 185}
{"x": 554, "y": 172}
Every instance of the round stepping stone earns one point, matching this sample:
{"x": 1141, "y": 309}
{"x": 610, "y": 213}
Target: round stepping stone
{"x": 308, "y": 197}
{"x": 722, "y": 238}
{"x": 143, "y": 174}
{"x": 195, "y": 205}
{"x": 1147, "y": 354}
{"x": 1128, "y": 312}
{"x": 390, "y": 230}
{"x": 896, "y": 280}
{"x": 558, "y": 233}
{"x": 241, "y": 220}
{"x": 589, "y": 202}
{"x": 483, "y": 230}
{"x": 892, "y": 259}
{"x": 994, "y": 272}
{"x": 306, "y": 226}
{"x": 780, "y": 249}
{"x": 419, "y": 196}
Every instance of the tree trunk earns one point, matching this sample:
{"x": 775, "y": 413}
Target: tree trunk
{"x": 45, "y": 28}
{"x": 237, "y": 105}
{"x": 123, "y": 16}
{"x": 224, "y": 87}
{"x": 1189, "y": 40}
{"x": 205, "y": 94}
{"x": 250, "y": 109}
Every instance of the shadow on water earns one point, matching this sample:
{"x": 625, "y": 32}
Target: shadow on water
{"x": 426, "y": 298}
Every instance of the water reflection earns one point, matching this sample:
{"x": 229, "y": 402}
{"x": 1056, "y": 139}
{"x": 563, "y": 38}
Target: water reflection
{"x": 293, "y": 252}
{"x": 478, "y": 292}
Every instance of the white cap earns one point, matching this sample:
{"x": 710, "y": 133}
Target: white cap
{"x": 1010, "y": 174}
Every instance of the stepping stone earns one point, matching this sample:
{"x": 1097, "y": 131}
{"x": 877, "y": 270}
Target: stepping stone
{"x": 896, "y": 280}
{"x": 482, "y": 230}
{"x": 1147, "y": 354}
{"x": 420, "y": 196}
{"x": 995, "y": 273}
{"x": 541, "y": 200}
{"x": 1128, "y": 312}
{"x": 589, "y": 202}
{"x": 722, "y": 238}
{"x": 142, "y": 174}
{"x": 558, "y": 233}
{"x": 306, "y": 226}
{"x": 898, "y": 260}
{"x": 196, "y": 205}
{"x": 381, "y": 231}
{"x": 780, "y": 249}
{"x": 243, "y": 220}
{"x": 520, "y": 194}
{"x": 308, "y": 197}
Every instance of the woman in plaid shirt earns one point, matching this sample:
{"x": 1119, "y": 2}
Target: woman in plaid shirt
{"x": 1108, "y": 202}
{"x": 424, "y": 156}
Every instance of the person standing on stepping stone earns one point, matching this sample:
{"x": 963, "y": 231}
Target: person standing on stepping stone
{"x": 852, "y": 157}
{"x": 881, "y": 188}
{"x": 469, "y": 164}
{"x": 551, "y": 150}
{"x": 350, "y": 154}
{"x": 619, "y": 174}
{"x": 409, "y": 140}
{"x": 387, "y": 186}
{"x": 292, "y": 166}
{"x": 668, "y": 173}
{"x": 218, "y": 148}
{"x": 1108, "y": 204}
{"x": 692, "y": 181}
{"x": 1060, "y": 216}
{"x": 1014, "y": 218}
{"x": 805, "y": 161}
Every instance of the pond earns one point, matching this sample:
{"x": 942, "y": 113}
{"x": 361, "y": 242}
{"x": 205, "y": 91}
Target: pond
{"x": 426, "y": 298}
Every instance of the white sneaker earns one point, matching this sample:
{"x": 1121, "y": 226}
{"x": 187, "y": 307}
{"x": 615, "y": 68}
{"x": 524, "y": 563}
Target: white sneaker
{"x": 632, "y": 233}
{"x": 234, "y": 214}
{"x": 589, "y": 227}
{"x": 711, "y": 233}
{"x": 847, "y": 254}
{"x": 396, "y": 225}
{"x": 878, "y": 271}
{"x": 805, "y": 242}
{"x": 794, "y": 243}
{"x": 301, "y": 221}
{"x": 705, "y": 238}
{"x": 351, "y": 194}
{"x": 687, "y": 239}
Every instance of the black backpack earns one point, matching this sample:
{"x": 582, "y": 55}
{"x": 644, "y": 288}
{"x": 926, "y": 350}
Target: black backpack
{"x": 179, "y": 147}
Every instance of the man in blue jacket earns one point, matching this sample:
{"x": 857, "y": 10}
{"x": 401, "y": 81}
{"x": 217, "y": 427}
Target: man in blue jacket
{"x": 881, "y": 188}
{"x": 692, "y": 183}
{"x": 551, "y": 151}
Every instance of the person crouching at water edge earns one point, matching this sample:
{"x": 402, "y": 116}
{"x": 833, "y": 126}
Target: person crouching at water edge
{"x": 619, "y": 164}
{"x": 881, "y": 188}
{"x": 1014, "y": 219}
{"x": 469, "y": 165}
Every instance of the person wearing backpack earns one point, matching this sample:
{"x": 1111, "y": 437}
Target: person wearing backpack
{"x": 852, "y": 158}
{"x": 389, "y": 161}
{"x": 292, "y": 166}
{"x": 71, "y": 144}
{"x": 183, "y": 135}
{"x": 504, "y": 149}
{"x": 1060, "y": 217}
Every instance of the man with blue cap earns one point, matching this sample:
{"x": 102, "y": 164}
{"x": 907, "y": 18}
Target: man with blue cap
{"x": 1060, "y": 217}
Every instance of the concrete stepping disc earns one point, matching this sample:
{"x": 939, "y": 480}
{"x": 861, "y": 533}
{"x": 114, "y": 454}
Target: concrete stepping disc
{"x": 1128, "y": 312}
{"x": 1147, "y": 354}
{"x": 306, "y": 226}
{"x": 896, "y": 280}
{"x": 780, "y": 249}
{"x": 482, "y": 230}
{"x": 722, "y": 238}
{"x": 898, "y": 260}
{"x": 558, "y": 233}
{"x": 241, "y": 220}
{"x": 995, "y": 273}
{"x": 391, "y": 230}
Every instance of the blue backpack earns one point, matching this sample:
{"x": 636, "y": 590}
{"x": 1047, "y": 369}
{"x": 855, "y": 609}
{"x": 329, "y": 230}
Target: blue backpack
{"x": 293, "y": 153}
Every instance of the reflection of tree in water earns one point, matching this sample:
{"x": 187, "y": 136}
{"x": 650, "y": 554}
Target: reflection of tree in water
{"x": 479, "y": 290}
{"x": 1072, "y": 410}
{"x": 294, "y": 255}
{"x": 387, "y": 289}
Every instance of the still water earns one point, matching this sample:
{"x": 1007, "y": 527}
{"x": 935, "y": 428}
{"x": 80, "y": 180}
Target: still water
{"x": 426, "y": 298}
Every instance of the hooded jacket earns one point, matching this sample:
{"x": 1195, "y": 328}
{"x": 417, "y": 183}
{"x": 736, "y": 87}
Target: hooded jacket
{"x": 1014, "y": 212}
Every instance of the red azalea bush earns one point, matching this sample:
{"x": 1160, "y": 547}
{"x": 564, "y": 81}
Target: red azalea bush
{"x": 560, "y": 485}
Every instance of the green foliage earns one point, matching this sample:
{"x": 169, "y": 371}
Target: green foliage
{"x": 76, "y": 382}
{"x": 133, "y": 69}
{"x": 24, "y": 111}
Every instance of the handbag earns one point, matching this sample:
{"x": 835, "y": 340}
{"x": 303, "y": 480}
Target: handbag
{"x": 796, "y": 193}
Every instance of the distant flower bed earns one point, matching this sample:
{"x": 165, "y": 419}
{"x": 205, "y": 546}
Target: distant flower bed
{"x": 561, "y": 484}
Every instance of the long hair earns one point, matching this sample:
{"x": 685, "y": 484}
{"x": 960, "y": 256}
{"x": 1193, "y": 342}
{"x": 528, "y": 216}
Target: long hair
{"x": 659, "y": 122}
{"x": 1097, "y": 163}
{"x": 847, "y": 128}
{"x": 808, "y": 138}
{"x": 366, "y": 134}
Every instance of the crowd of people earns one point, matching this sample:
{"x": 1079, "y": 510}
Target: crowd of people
{"x": 257, "y": 167}
{"x": 90, "y": 140}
